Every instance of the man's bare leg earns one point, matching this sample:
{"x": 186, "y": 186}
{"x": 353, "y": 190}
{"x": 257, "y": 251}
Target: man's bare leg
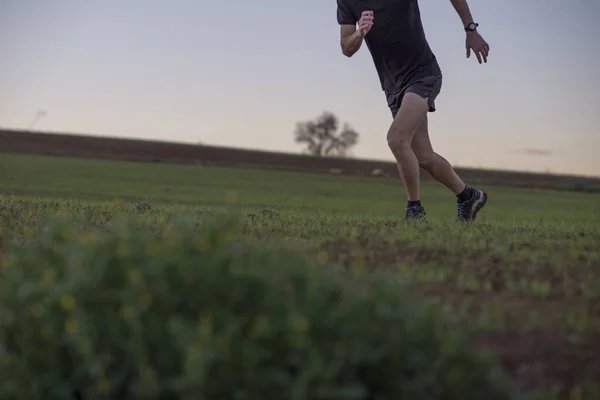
{"x": 469, "y": 200}
{"x": 410, "y": 116}
{"x": 437, "y": 166}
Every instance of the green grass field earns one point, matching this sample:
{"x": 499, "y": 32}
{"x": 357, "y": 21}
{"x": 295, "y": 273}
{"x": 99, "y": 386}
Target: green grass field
{"x": 523, "y": 280}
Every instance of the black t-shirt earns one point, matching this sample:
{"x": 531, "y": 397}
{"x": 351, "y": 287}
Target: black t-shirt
{"x": 397, "y": 42}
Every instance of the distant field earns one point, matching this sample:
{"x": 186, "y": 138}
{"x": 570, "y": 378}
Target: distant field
{"x": 81, "y": 146}
{"x": 64, "y": 178}
{"x": 524, "y": 280}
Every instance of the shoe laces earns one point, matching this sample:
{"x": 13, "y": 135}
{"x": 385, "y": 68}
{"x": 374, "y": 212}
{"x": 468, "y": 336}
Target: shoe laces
{"x": 413, "y": 212}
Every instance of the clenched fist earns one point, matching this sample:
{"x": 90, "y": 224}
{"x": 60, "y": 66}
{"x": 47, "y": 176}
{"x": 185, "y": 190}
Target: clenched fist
{"x": 365, "y": 23}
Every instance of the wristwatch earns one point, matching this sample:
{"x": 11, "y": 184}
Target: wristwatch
{"x": 471, "y": 26}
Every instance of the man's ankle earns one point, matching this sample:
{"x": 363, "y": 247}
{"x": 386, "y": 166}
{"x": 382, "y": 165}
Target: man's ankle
{"x": 412, "y": 203}
{"x": 466, "y": 194}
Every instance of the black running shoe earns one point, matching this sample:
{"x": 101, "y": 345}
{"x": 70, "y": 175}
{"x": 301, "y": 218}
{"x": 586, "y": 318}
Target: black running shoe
{"x": 467, "y": 210}
{"x": 415, "y": 213}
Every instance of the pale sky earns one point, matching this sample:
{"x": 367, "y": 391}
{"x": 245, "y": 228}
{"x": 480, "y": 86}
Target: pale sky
{"x": 242, "y": 73}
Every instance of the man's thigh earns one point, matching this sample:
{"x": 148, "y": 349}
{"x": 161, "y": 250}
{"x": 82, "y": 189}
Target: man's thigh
{"x": 409, "y": 117}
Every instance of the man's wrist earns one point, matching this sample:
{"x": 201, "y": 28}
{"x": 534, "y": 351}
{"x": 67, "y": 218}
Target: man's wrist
{"x": 471, "y": 27}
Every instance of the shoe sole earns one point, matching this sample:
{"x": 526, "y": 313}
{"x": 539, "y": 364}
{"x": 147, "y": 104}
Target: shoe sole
{"x": 478, "y": 205}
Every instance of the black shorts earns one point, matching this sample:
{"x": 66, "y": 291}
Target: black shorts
{"x": 428, "y": 87}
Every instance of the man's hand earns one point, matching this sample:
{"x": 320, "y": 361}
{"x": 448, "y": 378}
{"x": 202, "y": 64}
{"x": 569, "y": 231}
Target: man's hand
{"x": 365, "y": 23}
{"x": 474, "y": 40}
{"x": 479, "y": 46}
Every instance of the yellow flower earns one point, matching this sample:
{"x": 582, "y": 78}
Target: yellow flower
{"x": 232, "y": 196}
{"x": 121, "y": 250}
{"x": 49, "y": 278}
{"x": 7, "y": 360}
{"x": 118, "y": 203}
{"x": 68, "y": 302}
{"x": 205, "y": 324}
{"x": 323, "y": 257}
{"x": 203, "y": 245}
{"x": 153, "y": 248}
{"x": 259, "y": 326}
{"x": 174, "y": 240}
{"x": 86, "y": 238}
{"x": 237, "y": 268}
{"x": 575, "y": 393}
{"x": 126, "y": 312}
{"x": 71, "y": 326}
{"x": 223, "y": 345}
{"x": 103, "y": 386}
{"x": 145, "y": 299}
{"x": 27, "y": 332}
{"x": 37, "y": 310}
{"x": 301, "y": 324}
{"x": 359, "y": 261}
{"x": 134, "y": 274}
{"x": 196, "y": 351}
{"x": 339, "y": 349}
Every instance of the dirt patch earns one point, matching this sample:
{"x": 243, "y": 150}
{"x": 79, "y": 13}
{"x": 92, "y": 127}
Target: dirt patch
{"x": 545, "y": 359}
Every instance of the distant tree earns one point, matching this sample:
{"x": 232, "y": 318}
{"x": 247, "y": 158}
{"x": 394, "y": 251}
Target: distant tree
{"x": 322, "y": 139}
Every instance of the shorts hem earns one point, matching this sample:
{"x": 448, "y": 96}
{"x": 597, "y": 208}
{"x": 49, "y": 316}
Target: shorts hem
{"x": 428, "y": 88}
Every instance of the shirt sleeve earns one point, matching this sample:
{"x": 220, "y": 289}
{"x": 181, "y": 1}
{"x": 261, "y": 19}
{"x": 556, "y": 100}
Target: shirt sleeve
{"x": 344, "y": 15}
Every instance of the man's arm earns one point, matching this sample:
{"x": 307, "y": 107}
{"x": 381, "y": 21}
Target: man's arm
{"x": 474, "y": 40}
{"x": 351, "y": 39}
{"x": 463, "y": 11}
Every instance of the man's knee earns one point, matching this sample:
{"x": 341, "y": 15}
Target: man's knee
{"x": 397, "y": 141}
{"x": 426, "y": 159}
{"x": 400, "y": 136}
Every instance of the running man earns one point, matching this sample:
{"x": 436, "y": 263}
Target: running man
{"x": 411, "y": 80}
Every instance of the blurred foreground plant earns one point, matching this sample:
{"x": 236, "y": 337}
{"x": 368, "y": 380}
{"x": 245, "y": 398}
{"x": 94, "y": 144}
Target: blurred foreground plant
{"x": 196, "y": 313}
